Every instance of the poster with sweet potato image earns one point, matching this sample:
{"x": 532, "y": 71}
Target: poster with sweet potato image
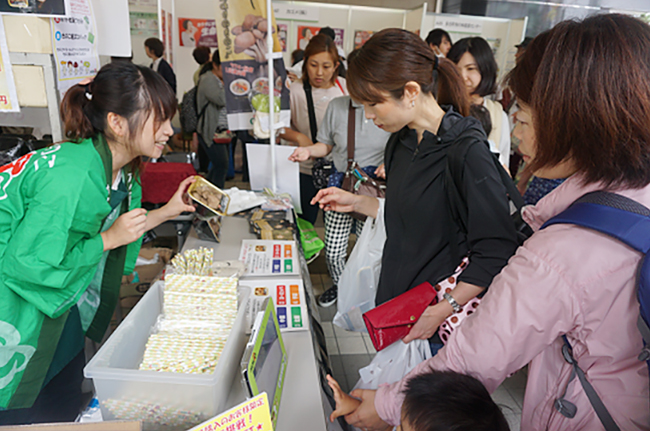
{"x": 242, "y": 30}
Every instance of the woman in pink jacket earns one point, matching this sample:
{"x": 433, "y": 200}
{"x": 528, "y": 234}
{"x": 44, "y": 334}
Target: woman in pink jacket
{"x": 584, "y": 90}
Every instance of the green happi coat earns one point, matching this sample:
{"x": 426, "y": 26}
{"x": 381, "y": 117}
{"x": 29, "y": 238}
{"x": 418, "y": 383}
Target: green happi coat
{"x": 56, "y": 282}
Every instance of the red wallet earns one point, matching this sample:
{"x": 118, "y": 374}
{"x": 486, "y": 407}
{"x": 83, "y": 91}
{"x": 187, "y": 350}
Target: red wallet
{"x": 392, "y": 320}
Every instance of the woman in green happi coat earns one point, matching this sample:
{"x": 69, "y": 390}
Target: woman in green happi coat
{"x": 70, "y": 227}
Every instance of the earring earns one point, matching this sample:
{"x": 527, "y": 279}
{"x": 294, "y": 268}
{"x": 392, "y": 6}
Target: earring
{"x": 412, "y": 103}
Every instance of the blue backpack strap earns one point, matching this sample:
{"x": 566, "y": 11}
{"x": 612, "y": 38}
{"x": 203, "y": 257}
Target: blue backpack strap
{"x": 629, "y": 222}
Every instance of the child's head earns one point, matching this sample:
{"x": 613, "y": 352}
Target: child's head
{"x": 444, "y": 401}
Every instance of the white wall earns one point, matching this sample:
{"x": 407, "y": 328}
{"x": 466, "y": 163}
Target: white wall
{"x": 184, "y": 64}
{"x": 502, "y": 34}
{"x": 350, "y": 18}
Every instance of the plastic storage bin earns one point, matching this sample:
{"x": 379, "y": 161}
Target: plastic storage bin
{"x": 162, "y": 401}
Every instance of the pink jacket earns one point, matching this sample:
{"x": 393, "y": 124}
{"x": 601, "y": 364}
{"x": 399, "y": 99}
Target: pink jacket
{"x": 563, "y": 280}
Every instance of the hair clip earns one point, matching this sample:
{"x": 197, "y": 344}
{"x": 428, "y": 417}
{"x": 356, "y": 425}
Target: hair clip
{"x": 89, "y": 96}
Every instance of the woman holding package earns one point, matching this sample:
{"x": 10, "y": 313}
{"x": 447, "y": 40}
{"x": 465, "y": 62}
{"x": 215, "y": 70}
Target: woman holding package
{"x": 320, "y": 80}
{"x": 395, "y": 75}
{"x": 584, "y": 94}
{"x": 71, "y": 227}
{"x": 475, "y": 61}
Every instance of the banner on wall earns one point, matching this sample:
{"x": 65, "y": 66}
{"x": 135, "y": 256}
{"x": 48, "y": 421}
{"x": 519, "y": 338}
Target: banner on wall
{"x": 361, "y": 37}
{"x": 242, "y": 33}
{"x": 74, "y": 45}
{"x": 47, "y": 8}
{"x": 146, "y": 3}
{"x": 197, "y": 32}
{"x": 461, "y": 27}
{"x": 8, "y": 95}
{"x": 144, "y": 24}
{"x": 305, "y": 33}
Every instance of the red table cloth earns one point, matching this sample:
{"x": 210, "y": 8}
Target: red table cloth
{"x": 160, "y": 180}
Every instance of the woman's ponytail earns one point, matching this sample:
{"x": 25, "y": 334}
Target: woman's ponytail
{"x": 74, "y": 107}
{"x": 451, "y": 89}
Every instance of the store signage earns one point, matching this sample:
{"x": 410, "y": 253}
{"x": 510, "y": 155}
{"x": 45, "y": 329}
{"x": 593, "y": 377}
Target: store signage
{"x": 251, "y": 415}
{"x": 297, "y": 13}
{"x": 74, "y": 45}
{"x": 459, "y": 25}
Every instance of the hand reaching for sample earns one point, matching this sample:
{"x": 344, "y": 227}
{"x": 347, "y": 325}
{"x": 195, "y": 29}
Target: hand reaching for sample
{"x": 428, "y": 323}
{"x": 300, "y": 154}
{"x": 345, "y": 404}
{"x": 335, "y": 199}
{"x": 127, "y": 228}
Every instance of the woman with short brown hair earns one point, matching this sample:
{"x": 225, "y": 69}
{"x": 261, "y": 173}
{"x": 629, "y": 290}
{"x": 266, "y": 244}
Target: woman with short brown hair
{"x": 584, "y": 89}
{"x": 419, "y": 98}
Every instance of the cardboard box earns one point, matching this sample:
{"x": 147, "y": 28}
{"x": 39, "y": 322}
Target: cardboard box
{"x": 147, "y": 274}
{"x": 93, "y": 426}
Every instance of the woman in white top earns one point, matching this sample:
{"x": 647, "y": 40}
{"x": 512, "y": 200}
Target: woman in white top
{"x": 475, "y": 61}
{"x": 320, "y": 76}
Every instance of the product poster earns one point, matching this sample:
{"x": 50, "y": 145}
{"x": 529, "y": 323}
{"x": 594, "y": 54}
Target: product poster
{"x": 305, "y": 33}
{"x": 197, "y": 32}
{"x": 282, "y": 36}
{"x": 361, "y": 37}
{"x": 251, "y": 415}
{"x": 143, "y": 24}
{"x": 47, "y": 8}
{"x": 242, "y": 31}
{"x": 288, "y": 297}
{"x": 74, "y": 45}
{"x": 8, "y": 96}
{"x": 265, "y": 257}
{"x": 247, "y": 84}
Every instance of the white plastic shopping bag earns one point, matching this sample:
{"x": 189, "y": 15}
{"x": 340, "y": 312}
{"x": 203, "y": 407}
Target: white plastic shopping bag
{"x": 358, "y": 282}
{"x": 393, "y": 363}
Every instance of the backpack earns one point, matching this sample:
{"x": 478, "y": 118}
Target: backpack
{"x": 189, "y": 113}
{"x": 629, "y": 222}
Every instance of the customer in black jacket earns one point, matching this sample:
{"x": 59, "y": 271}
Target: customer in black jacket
{"x": 394, "y": 75}
{"x": 154, "y": 49}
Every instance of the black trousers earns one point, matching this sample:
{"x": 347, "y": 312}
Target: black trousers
{"x": 59, "y": 401}
{"x": 307, "y": 192}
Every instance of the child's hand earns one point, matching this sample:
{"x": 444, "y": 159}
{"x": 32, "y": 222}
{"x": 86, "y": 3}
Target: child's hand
{"x": 345, "y": 404}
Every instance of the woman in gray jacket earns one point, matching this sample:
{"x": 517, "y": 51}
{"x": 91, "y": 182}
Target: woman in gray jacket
{"x": 211, "y": 104}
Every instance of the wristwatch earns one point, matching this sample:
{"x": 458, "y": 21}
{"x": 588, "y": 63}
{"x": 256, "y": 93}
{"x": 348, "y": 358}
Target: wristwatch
{"x": 450, "y": 299}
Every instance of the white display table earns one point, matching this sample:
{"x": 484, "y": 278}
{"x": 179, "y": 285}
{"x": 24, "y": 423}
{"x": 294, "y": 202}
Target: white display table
{"x": 304, "y": 404}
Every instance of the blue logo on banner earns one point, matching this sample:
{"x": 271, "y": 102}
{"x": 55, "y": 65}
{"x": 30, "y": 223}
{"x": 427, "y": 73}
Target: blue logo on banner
{"x": 57, "y": 35}
{"x": 282, "y": 317}
{"x": 276, "y": 266}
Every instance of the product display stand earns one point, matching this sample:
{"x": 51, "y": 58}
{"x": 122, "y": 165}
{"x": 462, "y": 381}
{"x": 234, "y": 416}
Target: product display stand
{"x": 305, "y": 398}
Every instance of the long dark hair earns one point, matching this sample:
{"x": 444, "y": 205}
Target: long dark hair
{"x": 482, "y": 53}
{"x": 393, "y": 57}
{"x": 130, "y": 91}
